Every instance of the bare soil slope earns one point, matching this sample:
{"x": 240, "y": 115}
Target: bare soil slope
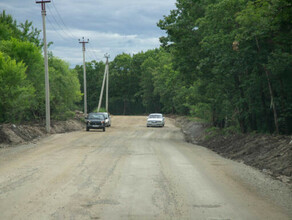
{"x": 11, "y": 134}
{"x": 271, "y": 154}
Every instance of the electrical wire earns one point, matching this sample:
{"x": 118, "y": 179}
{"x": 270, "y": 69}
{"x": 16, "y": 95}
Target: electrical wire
{"x": 60, "y": 17}
{"x": 53, "y": 26}
{"x": 91, "y": 49}
{"x": 64, "y": 32}
{"x": 60, "y": 27}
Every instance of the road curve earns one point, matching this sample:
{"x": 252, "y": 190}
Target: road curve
{"x": 130, "y": 172}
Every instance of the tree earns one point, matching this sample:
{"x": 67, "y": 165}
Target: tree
{"x": 64, "y": 88}
{"x": 149, "y": 99}
{"x": 16, "y": 92}
{"x": 30, "y": 55}
{"x": 24, "y": 31}
{"x": 123, "y": 84}
{"x": 94, "y": 76}
{"x": 266, "y": 25}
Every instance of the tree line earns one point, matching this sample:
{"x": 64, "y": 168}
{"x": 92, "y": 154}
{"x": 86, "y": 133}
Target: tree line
{"x": 233, "y": 59}
{"x": 22, "y": 77}
{"x": 227, "y": 62}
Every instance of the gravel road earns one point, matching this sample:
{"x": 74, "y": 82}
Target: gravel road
{"x": 133, "y": 172}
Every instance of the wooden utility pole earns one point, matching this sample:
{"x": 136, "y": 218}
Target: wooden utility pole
{"x": 47, "y": 85}
{"x": 83, "y": 42}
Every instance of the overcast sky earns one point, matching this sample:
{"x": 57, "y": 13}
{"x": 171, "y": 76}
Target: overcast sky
{"x": 112, "y": 26}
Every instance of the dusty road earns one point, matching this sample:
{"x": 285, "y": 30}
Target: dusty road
{"x": 131, "y": 172}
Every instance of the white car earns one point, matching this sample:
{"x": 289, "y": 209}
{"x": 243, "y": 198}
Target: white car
{"x": 155, "y": 120}
{"x": 107, "y": 118}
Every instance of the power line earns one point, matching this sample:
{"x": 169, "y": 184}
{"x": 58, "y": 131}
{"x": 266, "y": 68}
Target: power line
{"x": 60, "y": 27}
{"x": 92, "y": 51}
{"x": 63, "y": 21}
{"x": 53, "y": 26}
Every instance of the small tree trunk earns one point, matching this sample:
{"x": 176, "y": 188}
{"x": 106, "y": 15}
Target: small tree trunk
{"x": 272, "y": 101}
{"x": 125, "y": 106}
{"x": 271, "y": 91}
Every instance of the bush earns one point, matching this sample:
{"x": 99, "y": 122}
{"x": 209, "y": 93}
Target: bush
{"x": 16, "y": 93}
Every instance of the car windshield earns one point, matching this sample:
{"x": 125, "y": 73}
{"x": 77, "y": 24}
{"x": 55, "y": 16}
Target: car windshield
{"x": 155, "y": 116}
{"x": 95, "y": 116}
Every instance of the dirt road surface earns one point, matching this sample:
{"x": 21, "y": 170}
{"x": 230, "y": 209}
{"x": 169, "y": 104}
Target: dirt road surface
{"x": 132, "y": 172}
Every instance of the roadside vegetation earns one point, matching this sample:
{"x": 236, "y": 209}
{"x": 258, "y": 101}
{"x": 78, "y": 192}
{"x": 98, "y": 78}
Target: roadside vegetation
{"x": 22, "y": 79}
{"x": 227, "y": 62}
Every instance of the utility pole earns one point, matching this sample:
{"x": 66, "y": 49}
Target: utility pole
{"x": 47, "y": 85}
{"x": 107, "y": 78}
{"x": 102, "y": 88}
{"x": 84, "y": 74}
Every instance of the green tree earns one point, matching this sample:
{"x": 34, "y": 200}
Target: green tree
{"x": 24, "y": 31}
{"x": 94, "y": 77}
{"x": 64, "y": 88}
{"x": 31, "y": 56}
{"x": 16, "y": 92}
{"x": 8, "y": 27}
{"x": 123, "y": 84}
{"x": 266, "y": 27}
{"x": 149, "y": 99}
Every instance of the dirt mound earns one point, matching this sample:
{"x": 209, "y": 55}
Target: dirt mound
{"x": 269, "y": 153}
{"x": 11, "y": 134}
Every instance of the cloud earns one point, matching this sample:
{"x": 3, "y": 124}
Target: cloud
{"x": 112, "y": 26}
{"x": 101, "y": 43}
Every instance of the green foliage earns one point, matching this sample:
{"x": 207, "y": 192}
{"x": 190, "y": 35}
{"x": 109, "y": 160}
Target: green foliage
{"x": 22, "y": 80}
{"x": 16, "y": 92}
{"x": 124, "y": 84}
{"x": 227, "y": 62}
{"x": 100, "y": 110}
{"x": 30, "y": 55}
{"x": 234, "y": 59}
{"x": 94, "y": 75}
{"x": 24, "y": 31}
{"x": 8, "y": 27}
{"x": 64, "y": 88}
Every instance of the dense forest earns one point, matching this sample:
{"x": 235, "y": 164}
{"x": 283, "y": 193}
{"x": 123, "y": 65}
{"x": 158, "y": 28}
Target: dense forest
{"x": 227, "y": 62}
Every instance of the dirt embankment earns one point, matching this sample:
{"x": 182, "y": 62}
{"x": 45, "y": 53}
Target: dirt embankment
{"x": 12, "y": 134}
{"x": 271, "y": 154}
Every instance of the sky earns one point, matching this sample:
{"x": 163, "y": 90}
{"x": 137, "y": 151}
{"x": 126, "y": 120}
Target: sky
{"x": 112, "y": 26}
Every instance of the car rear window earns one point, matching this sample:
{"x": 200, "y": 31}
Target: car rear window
{"x": 95, "y": 116}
